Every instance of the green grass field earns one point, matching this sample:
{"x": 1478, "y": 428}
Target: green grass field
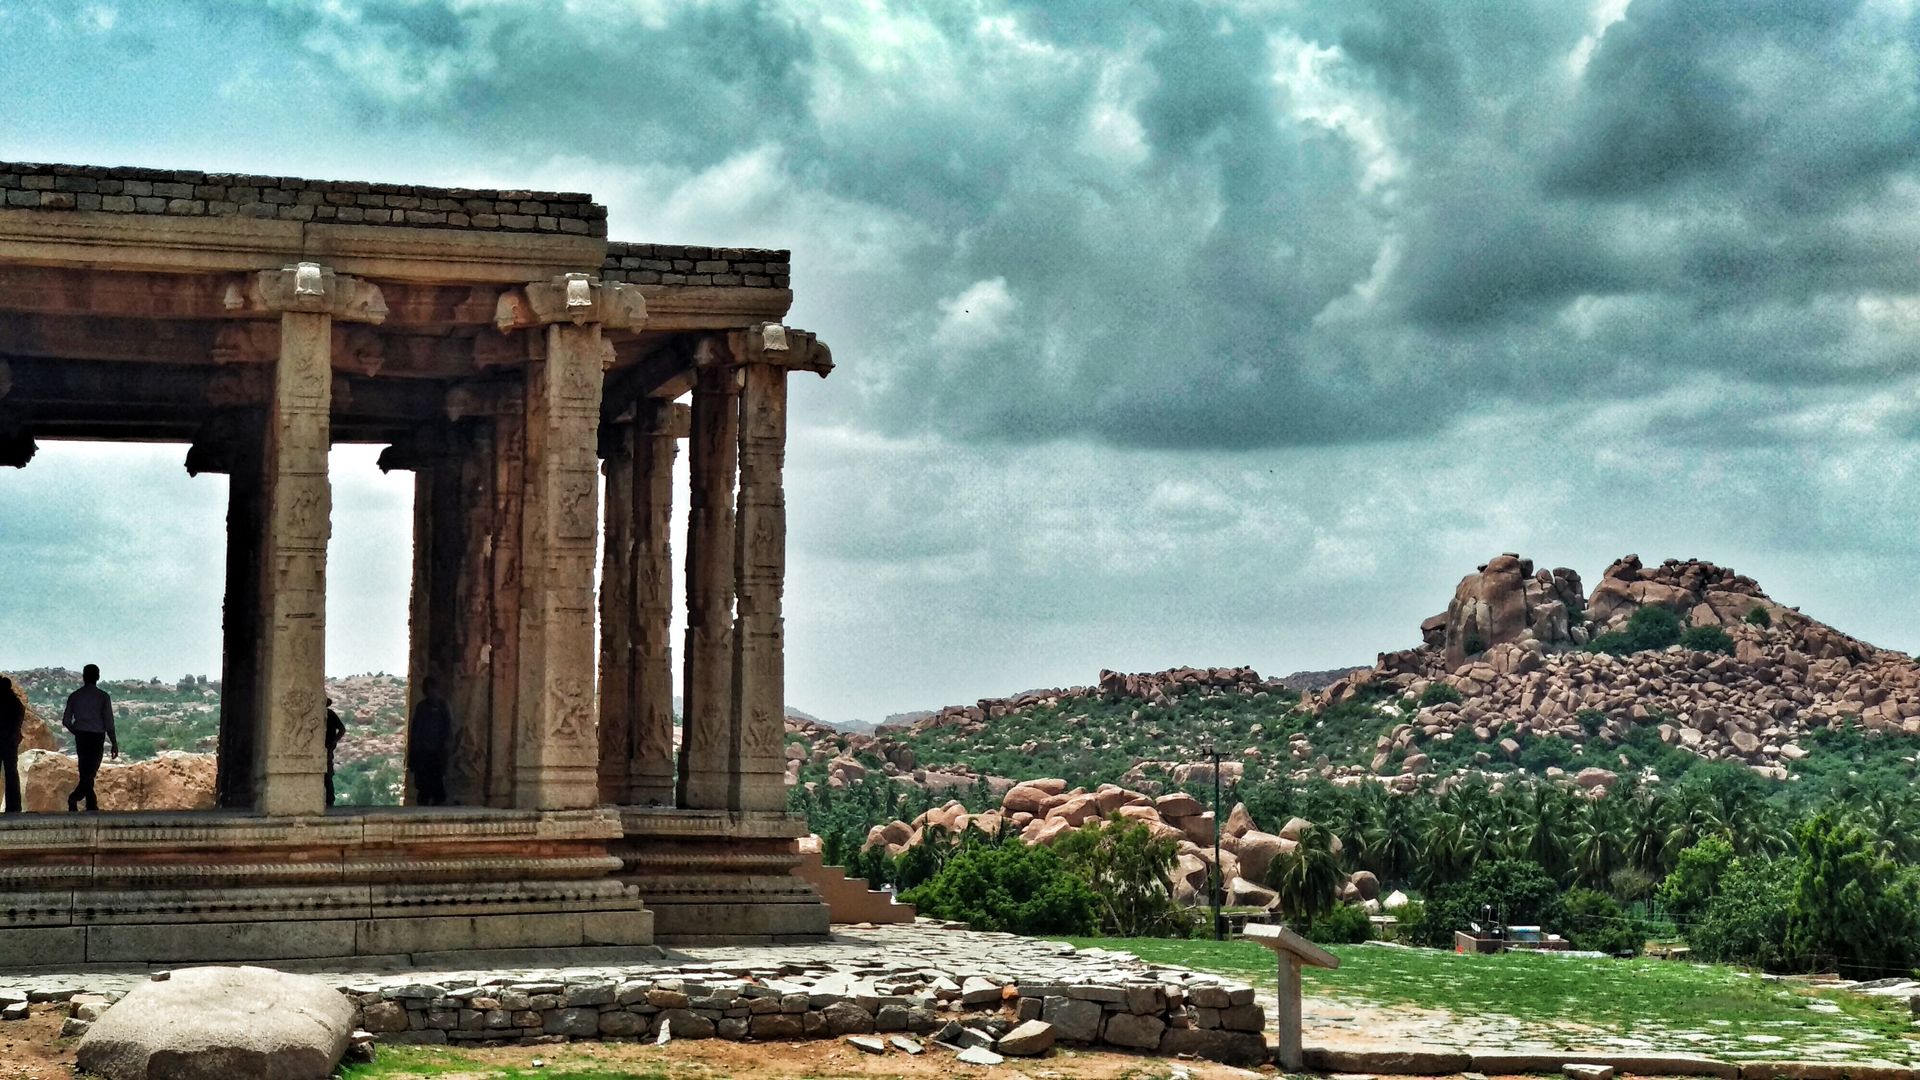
{"x": 1582, "y": 1002}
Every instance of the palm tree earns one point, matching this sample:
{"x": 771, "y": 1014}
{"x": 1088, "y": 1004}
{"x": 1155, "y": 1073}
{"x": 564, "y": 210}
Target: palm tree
{"x": 1307, "y": 877}
{"x": 1597, "y": 843}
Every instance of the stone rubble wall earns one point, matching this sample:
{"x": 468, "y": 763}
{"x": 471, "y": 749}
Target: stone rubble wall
{"x": 191, "y": 193}
{"x": 1176, "y": 1013}
{"x": 671, "y": 264}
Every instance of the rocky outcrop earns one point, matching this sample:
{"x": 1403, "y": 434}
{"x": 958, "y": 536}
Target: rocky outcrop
{"x": 1788, "y": 675}
{"x": 1043, "y": 811}
{"x": 1699, "y": 592}
{"x": 36, "y": 734}
{"x": 1507, "y": 601}
{"x": 170, "y": 781}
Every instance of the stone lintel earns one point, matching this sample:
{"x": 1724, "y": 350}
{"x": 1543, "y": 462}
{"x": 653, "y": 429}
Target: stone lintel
{"x": 155, "y": 242}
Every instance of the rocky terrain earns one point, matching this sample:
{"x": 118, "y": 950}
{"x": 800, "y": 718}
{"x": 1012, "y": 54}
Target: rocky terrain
{"x": 1042, "y": 811}
{"x": 168, "y": 733}
{"x": 1507, "y": 667}
{"x": 1510, "y": 645}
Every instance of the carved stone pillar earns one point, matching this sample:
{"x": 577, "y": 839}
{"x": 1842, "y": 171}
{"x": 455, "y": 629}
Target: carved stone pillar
{"x": 555, "y": 746}
{"x": 636, "y": 598}
{"x": 290, "y": 754}
{"x": 240, "y": 622}
{"x": 760, "y": 529}
{"x": 706, "y": 741}
{"x": 658, "y": 427}
{"x": 453, "y": 588}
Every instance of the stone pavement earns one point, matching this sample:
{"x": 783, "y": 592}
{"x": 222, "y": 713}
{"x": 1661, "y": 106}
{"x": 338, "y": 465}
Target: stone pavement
{"x": 962, "y": 987}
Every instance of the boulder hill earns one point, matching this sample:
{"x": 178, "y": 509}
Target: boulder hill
{"x": 1512, "y": 647}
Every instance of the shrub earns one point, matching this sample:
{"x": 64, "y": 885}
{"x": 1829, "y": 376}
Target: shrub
{"x": 1707, "y": 639}
{"x": 1757, "y": 616}
{"x": 1011, "y": 887}
{"x": 1746, "y": 921}
{"x": 1593, "y": 920}
{"x": 1546, "y": 751}
{"x": 1515, "y": 891}
{"x": 1851, "y": 907}
{"x": 1347, "y": 924}
{"x": 1649, "y": 627}
{"x": 1438, "y": 693}
{"x": 1131, "y": 875}
{"x": 1410, "y": 924}
{"x": 1695, "y": 879}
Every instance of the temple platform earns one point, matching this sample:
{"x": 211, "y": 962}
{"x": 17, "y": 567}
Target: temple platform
{"x": 213, "y": 886}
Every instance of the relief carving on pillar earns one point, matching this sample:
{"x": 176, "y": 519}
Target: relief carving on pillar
{"x": 301, "y": 709}
{"x": 577, "y": 499}
{"x": 306, "y": 510}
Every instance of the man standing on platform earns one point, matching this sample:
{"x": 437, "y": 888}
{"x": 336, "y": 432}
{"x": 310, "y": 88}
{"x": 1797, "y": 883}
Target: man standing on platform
{"x": 429, "y": 737}
{"x": 13, "y": 724}
{"x": 89, "y": 717}
{"x": 336, "y": 730}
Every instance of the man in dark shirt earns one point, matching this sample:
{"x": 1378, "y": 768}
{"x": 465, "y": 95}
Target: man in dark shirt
{"x": 336, "y": 730}
{"x": 429, "y": 737}
{"x": 13, "y": 723}
{"x": 89, "y": 717}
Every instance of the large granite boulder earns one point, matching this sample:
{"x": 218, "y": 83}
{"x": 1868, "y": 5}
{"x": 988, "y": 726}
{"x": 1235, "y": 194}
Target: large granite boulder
{"x": 1506, "y": 601}
{"x": 221, "y": 1023}
{"x": 170, "y": 781}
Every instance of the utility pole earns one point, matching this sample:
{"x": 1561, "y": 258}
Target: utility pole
{"x": 1219, "y": 879}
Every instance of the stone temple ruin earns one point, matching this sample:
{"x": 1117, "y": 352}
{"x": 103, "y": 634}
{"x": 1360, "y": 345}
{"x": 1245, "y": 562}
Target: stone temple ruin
{"x": 507, "y": 354}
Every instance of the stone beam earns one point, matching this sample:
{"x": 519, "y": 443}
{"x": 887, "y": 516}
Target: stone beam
{"x": 167, "y": 243}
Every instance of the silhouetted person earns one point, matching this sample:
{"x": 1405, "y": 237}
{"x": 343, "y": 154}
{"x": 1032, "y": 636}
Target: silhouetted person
{"x": 429, "y": 737}
{"x": 13, "y": 723}
{"x": 336, "y": 730}
{"x": 89, "y": 717}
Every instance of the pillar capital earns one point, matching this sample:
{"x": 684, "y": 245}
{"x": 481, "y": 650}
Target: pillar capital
{"x": 578, "y": 299}
{"x": 308, "y": 287}
{"x": 771, "y": 344}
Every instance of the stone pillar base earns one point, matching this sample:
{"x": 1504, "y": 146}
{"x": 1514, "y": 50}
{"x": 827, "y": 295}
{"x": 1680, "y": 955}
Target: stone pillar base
{"x": 720, "y": 877}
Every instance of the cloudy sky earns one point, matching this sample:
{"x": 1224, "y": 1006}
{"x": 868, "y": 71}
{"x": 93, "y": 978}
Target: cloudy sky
{"x": 1186, "y": 332}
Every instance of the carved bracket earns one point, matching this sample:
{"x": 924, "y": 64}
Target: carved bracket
{"x": 571, "y": 298}
{"x": 307, "y": 287}
{"x": 767, "y": 343}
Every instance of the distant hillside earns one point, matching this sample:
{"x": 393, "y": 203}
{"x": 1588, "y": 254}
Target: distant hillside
{"x": 1658, "y": 669}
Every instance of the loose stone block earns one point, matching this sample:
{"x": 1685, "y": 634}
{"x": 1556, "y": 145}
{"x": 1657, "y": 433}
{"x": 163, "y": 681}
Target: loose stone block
{"x": 686, "y": 1024}
{"x": 1031, "y": 1038}
{"x": 619, "y": 1023}
{"x": 577, "y": 1022}
{"x": 1126, "y": 1029}
{"x": 847, "y": 1018}
{"x": 775, "y": 1026}
{"x": 1073, "y": 1020}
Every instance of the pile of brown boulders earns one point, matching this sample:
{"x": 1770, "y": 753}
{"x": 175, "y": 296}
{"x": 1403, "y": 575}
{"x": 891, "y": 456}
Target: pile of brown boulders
{"x": 1788, "y": 675}
{"x": 1042, "y": 811}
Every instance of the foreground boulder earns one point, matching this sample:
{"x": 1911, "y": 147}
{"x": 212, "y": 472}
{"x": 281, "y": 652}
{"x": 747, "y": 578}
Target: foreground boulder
{"x": 221, "y": 1023}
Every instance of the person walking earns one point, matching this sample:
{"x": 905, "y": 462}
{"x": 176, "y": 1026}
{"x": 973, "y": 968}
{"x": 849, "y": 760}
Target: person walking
{"x": 336, "y": 730}
{"x": 13, "y": 724}
{"x": 429, "y": 737}
{"x": 89, "y": 716}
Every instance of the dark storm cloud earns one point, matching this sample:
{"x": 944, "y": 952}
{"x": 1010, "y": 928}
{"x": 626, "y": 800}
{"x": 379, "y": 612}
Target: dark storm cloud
{"x": 1220, "y": 225}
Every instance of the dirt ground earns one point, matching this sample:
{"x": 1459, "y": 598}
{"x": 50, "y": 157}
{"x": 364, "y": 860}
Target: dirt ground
{"x": 31, "y": 1049}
